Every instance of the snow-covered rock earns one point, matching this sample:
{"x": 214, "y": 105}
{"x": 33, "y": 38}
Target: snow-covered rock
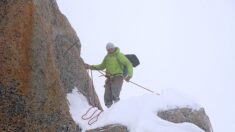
{"x": 110, "y": 128}
{"x": 180, "y": 115}
{"x": 138, "y": 114}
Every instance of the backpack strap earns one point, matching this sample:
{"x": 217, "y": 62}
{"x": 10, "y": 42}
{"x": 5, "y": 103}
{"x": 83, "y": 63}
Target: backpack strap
{"x": 125, "y": 70}
{"x": 119, "y": 62}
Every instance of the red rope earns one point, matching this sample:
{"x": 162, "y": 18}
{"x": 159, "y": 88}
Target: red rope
{"x": 90, "y": 122}
{"x": 86, "y": 118}
{"x": 93, "y": 117}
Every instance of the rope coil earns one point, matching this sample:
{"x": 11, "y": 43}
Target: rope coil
{"x": 95, "y": 115}
{"x": 92, "y": 119}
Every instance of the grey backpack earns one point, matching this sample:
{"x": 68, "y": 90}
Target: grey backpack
{"x": 134, "y": 61}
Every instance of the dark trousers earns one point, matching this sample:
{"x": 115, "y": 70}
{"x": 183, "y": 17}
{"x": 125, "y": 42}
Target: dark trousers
{"x": 113, "y": 88}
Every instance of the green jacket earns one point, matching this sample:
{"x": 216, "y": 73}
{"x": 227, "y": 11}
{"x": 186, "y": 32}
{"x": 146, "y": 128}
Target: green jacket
{"x": 114, "y": 64}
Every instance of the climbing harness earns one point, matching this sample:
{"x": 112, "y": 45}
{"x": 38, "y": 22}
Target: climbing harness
{"x": 94, "y": 115}
{"x": 102, "y": 72}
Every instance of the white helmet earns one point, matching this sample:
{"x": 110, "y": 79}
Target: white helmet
{"x": 110, "y": 46}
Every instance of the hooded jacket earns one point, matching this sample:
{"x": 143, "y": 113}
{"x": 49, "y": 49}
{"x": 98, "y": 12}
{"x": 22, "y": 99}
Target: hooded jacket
{"x": 114, "y": 64}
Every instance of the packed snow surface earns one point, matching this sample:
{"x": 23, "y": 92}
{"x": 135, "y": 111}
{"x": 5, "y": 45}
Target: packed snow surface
{"x": 138, "y": 114}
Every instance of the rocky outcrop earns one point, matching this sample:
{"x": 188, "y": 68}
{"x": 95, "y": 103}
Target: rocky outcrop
{"x": 39, "y": 63}
{"x": 110, "y": 128}
{"x": 180, "y": 115}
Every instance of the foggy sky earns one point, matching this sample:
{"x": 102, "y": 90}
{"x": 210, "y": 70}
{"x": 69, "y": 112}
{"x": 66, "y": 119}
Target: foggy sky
{"x": 184, "y": 45}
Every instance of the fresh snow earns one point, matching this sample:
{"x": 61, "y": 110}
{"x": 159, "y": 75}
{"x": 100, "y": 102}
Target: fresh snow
{"x": 138, "y": 114}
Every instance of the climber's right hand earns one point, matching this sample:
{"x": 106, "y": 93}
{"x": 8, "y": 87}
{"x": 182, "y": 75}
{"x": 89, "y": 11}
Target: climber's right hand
{"x": 87, "y": 66}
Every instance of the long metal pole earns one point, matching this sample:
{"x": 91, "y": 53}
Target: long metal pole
{"x": 144, "y": 88}
{"x": 136, "y": 85}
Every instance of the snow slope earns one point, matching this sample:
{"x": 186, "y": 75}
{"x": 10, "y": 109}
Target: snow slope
{"x": 137, "y": 113}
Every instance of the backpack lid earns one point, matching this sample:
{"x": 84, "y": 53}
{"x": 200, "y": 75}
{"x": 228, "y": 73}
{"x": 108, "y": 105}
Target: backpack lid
{"x": 133, "y": 59}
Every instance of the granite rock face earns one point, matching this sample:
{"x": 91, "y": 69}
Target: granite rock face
{"x": 180, "y": 115}
{"x": 39, "y": 64}
{"x": 110, "y": 128}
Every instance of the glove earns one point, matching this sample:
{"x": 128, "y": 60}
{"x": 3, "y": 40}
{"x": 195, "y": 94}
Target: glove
{"x": 127, "y": 78}
{"x": 87, "y": 66}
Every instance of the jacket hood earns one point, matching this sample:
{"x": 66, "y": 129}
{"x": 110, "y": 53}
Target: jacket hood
{"x": 117, "y": 50}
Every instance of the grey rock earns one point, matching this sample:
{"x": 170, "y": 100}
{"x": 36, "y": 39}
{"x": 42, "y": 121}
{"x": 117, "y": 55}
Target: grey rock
{"x": 110, "y": 128}
{"x": 180, "y": 115}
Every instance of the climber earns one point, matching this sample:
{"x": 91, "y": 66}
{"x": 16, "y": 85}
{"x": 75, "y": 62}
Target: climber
{"x": 114, "y": 63}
